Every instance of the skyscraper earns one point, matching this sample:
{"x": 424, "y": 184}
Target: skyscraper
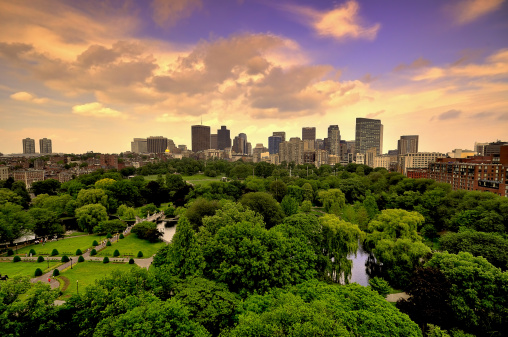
{"x": 156, "y": 144}
{"x": 28, "y": 145}
{"x": 223, "y": 138}
{"x": 45, "y": 145}
{"x": 244, "y": 137}
{"x": 333, "y": 140}
{"x": 407, "y": 144}
{"x": 200, "y": 137}
{"x": 239, "y": 145}
{"x": 309, "y": 136}
{"x": 214, "y": 144}
{"x": 369, "y": 133}
{"x": 281, "y": 134}
{"x": 273, "y": 144}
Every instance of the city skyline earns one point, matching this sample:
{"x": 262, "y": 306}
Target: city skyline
{"x": 91, "y": 76}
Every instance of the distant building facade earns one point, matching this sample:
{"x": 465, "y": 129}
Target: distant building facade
{"x": 28, "y": 146}
{"x": 156, "y": 144}
{"x": 139, "y": 145}
{"x": 333, "y": 140}
{"x": 273, "y": 144}
{"x": 223, "y": 138}
{"x": 369, "y": 134}
{"x": 200, "y": 135}
{"x": 407, "y": 144}
{"x": 45, "y": 146}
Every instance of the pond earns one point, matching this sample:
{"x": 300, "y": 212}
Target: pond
{"x": 360, "y": 262}
{"x": 168, "y": 230}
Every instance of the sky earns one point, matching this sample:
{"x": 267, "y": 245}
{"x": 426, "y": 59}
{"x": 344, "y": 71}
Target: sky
{"x": 93, "y": 75}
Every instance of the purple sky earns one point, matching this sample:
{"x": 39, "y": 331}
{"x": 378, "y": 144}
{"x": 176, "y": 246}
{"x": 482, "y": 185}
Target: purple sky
{"x": 93, "y": 75}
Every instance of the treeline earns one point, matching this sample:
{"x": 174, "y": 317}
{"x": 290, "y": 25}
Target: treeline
{"x": 268, "y": 248}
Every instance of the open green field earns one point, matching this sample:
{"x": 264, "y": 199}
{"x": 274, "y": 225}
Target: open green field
{"x": 197, "y": 179}
{"x": 76, "y": 234}
{"x": 132, "y": 245}
{"x": 21, "y": 268}
{"x": 86, "y": 273}
{"x": 64, "y": 246}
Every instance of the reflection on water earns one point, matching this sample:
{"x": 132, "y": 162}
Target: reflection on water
{"x": 168, "y": 232}
{"x": 359, "y": 272}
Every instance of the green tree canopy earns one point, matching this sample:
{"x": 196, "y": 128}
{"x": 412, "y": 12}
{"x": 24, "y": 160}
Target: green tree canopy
{"x": 110, "y": 226}
{"x": 333, "y": 200}
{"x": 48, "y": 186}
{"x": 45, "y": 222}
{"x": 264, "y": 204}
{"x": 92, "y": 196}
{"x": 14, "y": 222}
{"x": 90, "y": 216}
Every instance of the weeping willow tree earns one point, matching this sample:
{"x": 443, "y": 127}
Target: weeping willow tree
{"x": 340, "y": 238}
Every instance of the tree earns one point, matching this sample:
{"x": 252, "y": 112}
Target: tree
{"x": 105, "y": 183}
{"x": 306, "y": 206}
{"x": 429, "y": 298}
{"x": 307, "y": 192}
{"x": 147, "y": 230}
{"x": 333, "y": 200}
{"x": 318, "y": 309}
{"x": 278, "y": 189}
{"x": 229, "y": 214}
{"x": 393, "y": 224}
{"x": 340, "y": 239}
{"x": 479, "y": 291}
{"x": 264, "y": 204}
{"x": 110, "y": 226}
{"x": 45, "y": 222}
{"x": 62, "y": 205}
{"x": 249, "y": 258}
{"x": 14, "y": 222}
{"x": 199, "y": 209}
{"x": 289, "y": 205}
{"x": 92, "y": 196}
{"x": 48, "y": 186}
{"x": 209, "y": 303}
{"x": 90, "y": 216}
{"x": 380, "y": 286}
{"x": 7, "y": 195}
{"x": 149, "y": 208}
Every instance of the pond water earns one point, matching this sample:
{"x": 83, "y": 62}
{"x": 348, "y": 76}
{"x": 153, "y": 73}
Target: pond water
{"x": 359, "y": 270}
{"x": 168, "y": 232}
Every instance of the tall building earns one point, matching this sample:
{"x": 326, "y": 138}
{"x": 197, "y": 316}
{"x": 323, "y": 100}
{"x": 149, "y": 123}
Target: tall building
{"x": 369, "y": 133}
{"x": 45, "y": 145}
{"x": 244, "y": 137}
{"x": 418, "y": 160}
{"x": 291, "y": 151}
{"x": 493, "y": 149}
{"x": 223, "y": 138}
{"x": 309, "y": 134}
{"x": 273, "y": 144}
{"x": 156, "y": 144}
{"x": 407, "y": 144}
{"x": 333, "y": 140}
{"x": 139, "y": 145}
{"x": 480, "y": 148}
{"x": 214, "y": 141}
{"x": 281, "y": 134}
{"x": 239, "y": 145}
{"x": 28, "y": 145}
{"x": 200, "y": 138}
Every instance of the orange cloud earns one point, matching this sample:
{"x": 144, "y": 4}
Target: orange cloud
{"x": 167, "y": 13}
{"x": 342, "y": 22}
{"x": 95, "y": 109}
{"x": 467, "y": 11}
{"x": 27, "y": 97}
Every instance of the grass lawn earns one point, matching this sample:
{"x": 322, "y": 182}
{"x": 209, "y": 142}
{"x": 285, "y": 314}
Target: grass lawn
{"x": 12, "y": 269}
{"x": 132, "y": 245}
{"x": 67, "y": 246}
{"x": 196, "y": 179}
{"x": 86, "y": 273}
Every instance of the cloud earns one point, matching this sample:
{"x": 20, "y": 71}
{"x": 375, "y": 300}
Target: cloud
{"x": 167, "y": 13}
{"x": 416, "y": 64}
{"x": 95, "y": 109}
{"x": 482, "y": 115}
{"x": 375, "y": 114}
{"x": 27, "y": 97}
{"x": 450, "y": 114}
{"x": 467, "y": 11}
{"x": 503, "y": 117}
{"x": 342, "y": 22}
{"x": 496, "y": 65}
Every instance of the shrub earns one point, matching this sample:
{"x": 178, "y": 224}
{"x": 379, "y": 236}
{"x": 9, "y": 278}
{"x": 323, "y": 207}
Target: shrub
{"x": 65, "y": 259}
{"x": 38, "y": 272}
{"x": 116, "y": 253}
{"x": 10, "y": 252}
{"x": 95, "y": 243}
{"x": 54, "y": 252}
{"x": 32, "y": 251}
{"x": 81, "y": 259}
{"x": 109, "y": 236}
{"x": 131, "y": 261}
{"x": 108, "y": 243}
{"x": 40, "y": 259}
{"x": 140, "y": 254}
{"x": 93, "y": 252}
{"x": 106, "y": 260}
{"x": 56, "y": 272}
{"x": 306, "y": 206}
{"x": 79, "y": 252}
{"x": 381, "y": 286}
{"x": 16, "y": 259}
{"x": 121, "y": 236}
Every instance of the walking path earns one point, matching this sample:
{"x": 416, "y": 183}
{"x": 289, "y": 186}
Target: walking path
{"x": 396, "y": 297}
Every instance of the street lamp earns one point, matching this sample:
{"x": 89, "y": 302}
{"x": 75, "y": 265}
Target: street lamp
{"x": 70, "y": 258}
